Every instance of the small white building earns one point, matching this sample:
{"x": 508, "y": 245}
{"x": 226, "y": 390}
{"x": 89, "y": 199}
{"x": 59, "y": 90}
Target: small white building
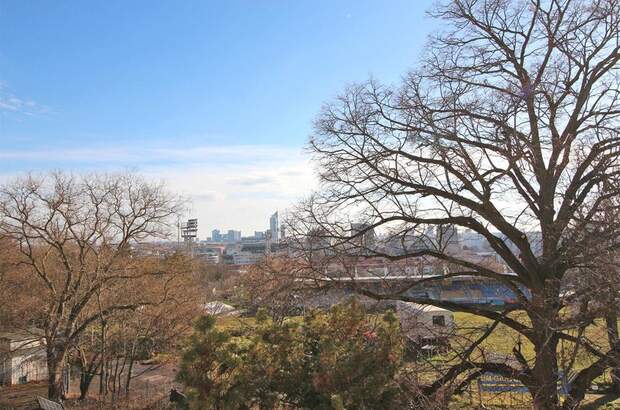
{"x": 22, "y": 357}
{"x": 217, "y": 308}
{"x": 424, "y": 323}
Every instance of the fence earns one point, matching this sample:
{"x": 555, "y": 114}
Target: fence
{"x": 495, "y": 387}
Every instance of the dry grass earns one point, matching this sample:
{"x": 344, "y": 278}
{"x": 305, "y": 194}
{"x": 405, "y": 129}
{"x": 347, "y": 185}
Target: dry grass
{"x": 22, "y": 396}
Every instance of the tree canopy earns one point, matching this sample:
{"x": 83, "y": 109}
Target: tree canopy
{"x": 507, "y": 128}
{"x": 338, "y": 359}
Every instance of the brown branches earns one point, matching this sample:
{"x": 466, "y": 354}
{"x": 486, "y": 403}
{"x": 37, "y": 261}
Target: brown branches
{"x": 508, "y": 128}
{"x": 75, "y": 234}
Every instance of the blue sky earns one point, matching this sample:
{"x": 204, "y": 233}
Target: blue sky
{"x": 216, "y": 98}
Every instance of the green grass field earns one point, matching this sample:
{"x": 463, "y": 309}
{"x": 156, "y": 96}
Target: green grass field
{"x": 503, "y": 339}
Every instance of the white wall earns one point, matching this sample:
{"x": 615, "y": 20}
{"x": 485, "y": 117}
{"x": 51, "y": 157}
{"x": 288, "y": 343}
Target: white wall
{"x": 20, "y": 359}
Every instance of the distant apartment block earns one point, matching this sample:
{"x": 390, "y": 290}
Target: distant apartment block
{"x": 233, "y": 236}
{"x": 216, "y": 236}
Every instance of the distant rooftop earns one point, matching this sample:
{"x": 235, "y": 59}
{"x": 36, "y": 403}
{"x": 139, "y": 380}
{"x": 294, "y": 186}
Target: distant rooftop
{"x": 21, "y": 334}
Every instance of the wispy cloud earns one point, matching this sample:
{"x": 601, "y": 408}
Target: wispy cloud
{"x": 251, "y": 181}
{"x": 223, "y": 154}
{"x": 14, "y": 104}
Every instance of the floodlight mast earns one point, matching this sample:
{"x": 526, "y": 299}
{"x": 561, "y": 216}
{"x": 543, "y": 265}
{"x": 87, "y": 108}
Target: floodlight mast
{"x": 189, "y": 232}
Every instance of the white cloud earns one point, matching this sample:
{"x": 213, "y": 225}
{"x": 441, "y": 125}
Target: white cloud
{"x": 144, "y": 154}
{"x": 224, "y": 152}
{"x": 14, "y": 104}
{"x": 230, "y": 187}
{"x": 239, "y": 196}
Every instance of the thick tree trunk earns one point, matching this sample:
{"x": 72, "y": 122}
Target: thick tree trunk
{"x": 545, "y": 375}
{"x": 613, "y": 338}
{"x": 85, "y": 380}
{"x": 54, "y": 385}
{"x": 87, "y": 375}
{"x": 55, "y": 363}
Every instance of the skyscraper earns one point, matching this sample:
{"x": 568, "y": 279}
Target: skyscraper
{"x": 274, "y": 227}
{"x": 216, "y": 236}
{"x": 233, "y": 236}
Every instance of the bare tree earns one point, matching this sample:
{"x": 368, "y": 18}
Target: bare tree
{"x": 508, "y": 127}
{"x": 153, "y": 329}
{"x": 75, "y": 237}
{"x": 595, "y": 286}
{"x": 21, "y": 311}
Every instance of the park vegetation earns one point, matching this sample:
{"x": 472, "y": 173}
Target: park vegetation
{"x": 76, "y": 270}
{"x": 336, "y": 359}
{"x": 508, "y": 127}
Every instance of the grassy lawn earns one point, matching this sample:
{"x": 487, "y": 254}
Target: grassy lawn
{"x": 521, "y": 401}
{"x": 503, "y": 339}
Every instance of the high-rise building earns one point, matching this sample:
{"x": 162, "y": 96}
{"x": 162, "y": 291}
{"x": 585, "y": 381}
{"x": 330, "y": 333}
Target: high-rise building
{"x": 282, "y": 232}
{"x": 364, "y": 236}
{"x": 216, "y": 236}
{"x": 259, "y": 235}
{"x": 233, "y": 236}
{"x": 274, "y": 227}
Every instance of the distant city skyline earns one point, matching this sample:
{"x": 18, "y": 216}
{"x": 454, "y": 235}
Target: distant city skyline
{"x": 216, "y": 99}
{"x": 230, "y": 234}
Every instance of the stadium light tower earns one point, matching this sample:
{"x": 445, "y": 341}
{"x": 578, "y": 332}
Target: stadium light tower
{"x": 189, "y": 231}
